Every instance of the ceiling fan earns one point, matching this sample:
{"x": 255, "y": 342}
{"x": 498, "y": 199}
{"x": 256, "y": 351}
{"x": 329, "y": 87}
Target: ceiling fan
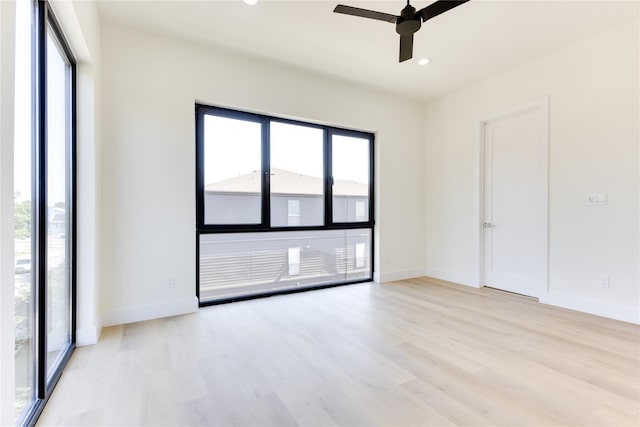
{"x": 407, "y": 23}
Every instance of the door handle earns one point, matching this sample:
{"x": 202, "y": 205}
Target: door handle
{"x": 487, "y": 225}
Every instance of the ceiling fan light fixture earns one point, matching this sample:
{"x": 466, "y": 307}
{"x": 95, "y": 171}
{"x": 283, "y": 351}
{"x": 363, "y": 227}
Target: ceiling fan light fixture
{"x": 424, "y": 61}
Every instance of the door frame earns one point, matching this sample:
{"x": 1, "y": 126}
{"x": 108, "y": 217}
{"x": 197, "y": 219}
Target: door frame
{"x": 541, "y": 105}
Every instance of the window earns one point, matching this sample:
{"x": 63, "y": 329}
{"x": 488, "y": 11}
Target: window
{"x": 58, "y": 200}
{"x": 25, "y": 395}
{"x": 281, "y": 205}
{"x": 233, "y": 171}
{"x": 361, "y": 210}
{"x": 351, "y": 171}
{"x": 294, "y": 261}
{"x": 360, "y": 255}
{"x": 44, "y": 166}
{"x": 293, "y": 212}
{"x": 297, "y": 169}
{"x": 235, "y": 265}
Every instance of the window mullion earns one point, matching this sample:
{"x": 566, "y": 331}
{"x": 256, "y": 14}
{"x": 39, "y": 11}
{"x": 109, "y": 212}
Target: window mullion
{"x": 371, "y": 182}
{"x": 266, "y": 173}
{"x": 199, "y": 167}
{"x": 328, "y": 180}
{"x": 72, "y": 188}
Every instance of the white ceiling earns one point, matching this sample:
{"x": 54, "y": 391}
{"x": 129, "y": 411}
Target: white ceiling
{"x": 468, "y": 43}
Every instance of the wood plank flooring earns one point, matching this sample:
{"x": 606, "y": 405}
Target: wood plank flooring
{"x": 417, "y": 352}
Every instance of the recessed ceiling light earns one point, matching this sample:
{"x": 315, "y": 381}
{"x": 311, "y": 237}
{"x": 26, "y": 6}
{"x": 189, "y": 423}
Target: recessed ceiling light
{"x": 251, "y": 2}
{"x": 424, "y": 61}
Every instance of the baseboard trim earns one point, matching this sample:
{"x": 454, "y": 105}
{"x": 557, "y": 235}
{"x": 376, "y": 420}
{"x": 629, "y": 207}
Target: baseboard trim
{"x": 148, "y": 312}
{"x": 87, "y": 336}
{"x": 448, "y": 276}
{"x": 393, "y": 276}
{"x": 598, "y": 308}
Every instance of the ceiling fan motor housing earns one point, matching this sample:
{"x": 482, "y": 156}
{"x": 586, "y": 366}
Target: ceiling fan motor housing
{"x": 408, "y": 22}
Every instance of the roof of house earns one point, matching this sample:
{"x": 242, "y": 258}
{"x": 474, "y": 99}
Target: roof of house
{"x": 286, "y": 182}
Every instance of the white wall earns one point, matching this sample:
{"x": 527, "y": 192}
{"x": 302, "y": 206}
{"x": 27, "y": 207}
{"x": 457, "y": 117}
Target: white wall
{"x": 81, "y": 26}
{"x": 593, "y": 88}
{"x": 150, "y": 86}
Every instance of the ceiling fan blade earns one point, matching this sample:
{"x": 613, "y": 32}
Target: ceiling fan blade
{"x": 406, "y": 47}
{"x": 365, "y": 13}
{"x": 440, "y": 6}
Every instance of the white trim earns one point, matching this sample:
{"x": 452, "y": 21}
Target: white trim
{"x": 598, "y": 308}
{"x": 67, "y": 17}
{"x": 148, "y": 312}
{"x": 542, "y": 105}
{"x": 87, "y": 336}
{"x": 450, "y": 276}
{"x": 393, "y": 276}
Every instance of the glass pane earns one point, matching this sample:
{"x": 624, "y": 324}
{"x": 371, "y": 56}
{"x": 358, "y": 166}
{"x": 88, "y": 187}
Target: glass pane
{"x": 232, "y": 171}
{"x": 297, "y": 183}
{"x": 24, "y": 340}
{"x": 238, "y": 264}
{"x": 58, "y": 238}
{"x": 350, "y": 164}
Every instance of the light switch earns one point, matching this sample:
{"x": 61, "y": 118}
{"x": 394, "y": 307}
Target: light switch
{"x": 599, "y": 199}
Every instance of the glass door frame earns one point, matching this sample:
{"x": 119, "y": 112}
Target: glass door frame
{"x": 46, "y": 25}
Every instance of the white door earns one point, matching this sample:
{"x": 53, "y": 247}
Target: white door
{"x": 515, "y": 200}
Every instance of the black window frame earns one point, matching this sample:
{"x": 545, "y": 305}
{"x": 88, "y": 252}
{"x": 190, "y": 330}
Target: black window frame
{"x": 265, "y": 225}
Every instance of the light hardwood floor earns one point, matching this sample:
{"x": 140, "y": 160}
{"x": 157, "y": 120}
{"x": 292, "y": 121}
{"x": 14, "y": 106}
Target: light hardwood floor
{"x": 417, "y": 352}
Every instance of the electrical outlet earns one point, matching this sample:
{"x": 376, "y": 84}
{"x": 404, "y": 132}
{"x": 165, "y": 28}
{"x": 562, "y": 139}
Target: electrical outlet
{"x": 171, "y": 283}
{"x": 604, "y": 282}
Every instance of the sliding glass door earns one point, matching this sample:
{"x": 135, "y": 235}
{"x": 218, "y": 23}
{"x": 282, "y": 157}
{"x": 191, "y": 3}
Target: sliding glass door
{"x": 24, "y": 208}
{"x": 44, "y": 165}
{"x": 58, "y": 199}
